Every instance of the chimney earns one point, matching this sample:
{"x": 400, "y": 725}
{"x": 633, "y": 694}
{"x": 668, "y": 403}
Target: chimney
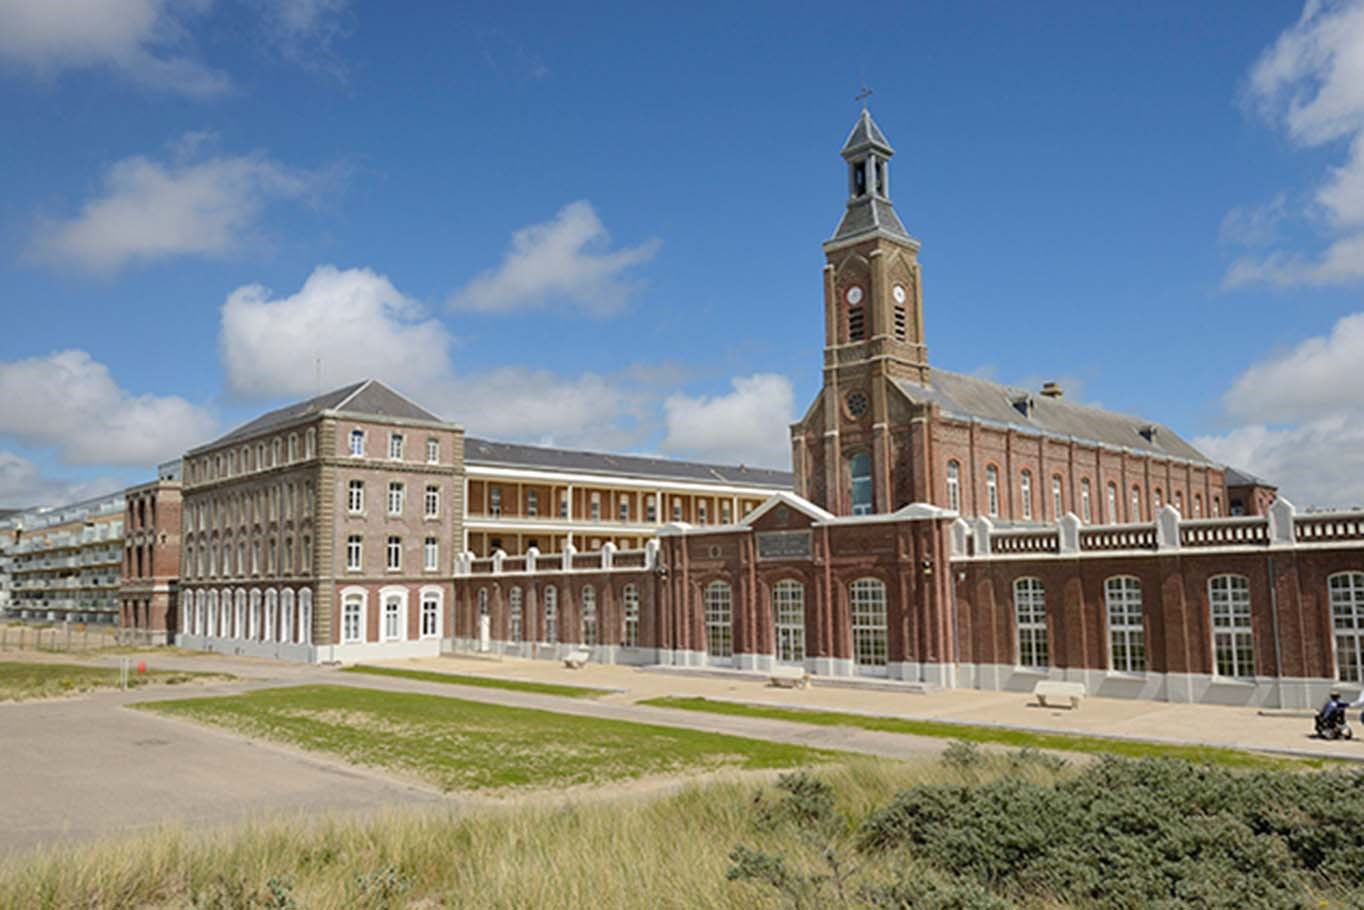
{"x": 1052, "y": 390}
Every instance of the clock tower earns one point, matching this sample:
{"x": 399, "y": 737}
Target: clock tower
{"x": 873, "y": 336}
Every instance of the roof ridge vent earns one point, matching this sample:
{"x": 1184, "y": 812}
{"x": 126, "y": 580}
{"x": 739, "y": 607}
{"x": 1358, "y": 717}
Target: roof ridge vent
{"x": 1052, "y": 390}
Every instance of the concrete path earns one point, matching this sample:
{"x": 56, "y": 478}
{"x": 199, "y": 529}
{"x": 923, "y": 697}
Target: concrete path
{"x": 77, "y": 768}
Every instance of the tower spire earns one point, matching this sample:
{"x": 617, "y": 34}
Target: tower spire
{"x": 869, "y": 211}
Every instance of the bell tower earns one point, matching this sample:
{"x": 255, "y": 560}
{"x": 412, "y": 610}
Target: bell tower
{"x": 843, "y": 451}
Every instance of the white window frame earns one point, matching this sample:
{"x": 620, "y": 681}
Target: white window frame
{"x": 305, "y": 616}
{"x": 868, "y": 610}
{"x": 1345, "y": 592}
{"x": 718, "y": 607}
{"x": 861, "y": 483}
{"x": 1126, "y": 624}
{"x": 355, "y": 497}
{"x": 396, "y": 598}
{"x": 271, "y": 613}
{"x": 1025, "y": 493}
{"x": 396, "y": 442}
{"x": 532, "y": 503}
{"x": 357, "y": 436}
{"x": 788, "y": 621}
{"x": 394, "y": 544}
{"x": 397, "y": 497}
{"x": 256, "y": 597}
{"x": 1086, "y": 510}
{"x": 358, "y": 597}
{"x": 549, "y": 631}
{"x": 954, "y": 485}
{"x": 629, "y": 597}
{"x": 431, "y": 554}
{"x": 1233, "y": 631}
{"x": 433, "y": 450}
{"x": 515, "y": 614}
{"x": 355, "y": 553}
{"x": 286, "y": 616}
{"x": 432, "y": 599}
{"x": 1058, "y": 497}
{"x": 587, "y": 612}
{"x": 1032, "y": 649}
{"x": 431, "y": 501}
{"x": 992, "y": 490}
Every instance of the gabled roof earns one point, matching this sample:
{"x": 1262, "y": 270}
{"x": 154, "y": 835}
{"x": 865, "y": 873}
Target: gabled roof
{"x": 369, "y": 398}
{"x": 865, "y": 134}
{"x": 510, "y": 454}
{"x": 799, "y": 503}
{"x": 972, "y": 397}
{"x": 1238, "y": 478}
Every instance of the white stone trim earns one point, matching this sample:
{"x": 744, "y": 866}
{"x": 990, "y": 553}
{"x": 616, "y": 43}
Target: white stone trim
{"x": 341, "y": 613}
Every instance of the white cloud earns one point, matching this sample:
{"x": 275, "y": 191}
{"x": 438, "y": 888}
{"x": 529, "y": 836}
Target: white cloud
{"x": 750, "y": 425}
{"x": 564, "y": 259}
{"x": 150, "y": 210}
{"x": 1302, "y": 416}
{"x": 136, "y": 38}
{"x": 1254, "y": 225}
{"x": 1311, "y": 83}
{"x": 23, "y": 485}
{"x": 303, "y": 31}
{"x": 69, "y": 400}
{"x": 354, "y": 320}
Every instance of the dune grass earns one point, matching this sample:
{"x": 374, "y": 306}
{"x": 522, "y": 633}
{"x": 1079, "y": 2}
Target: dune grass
{"x": 1064, "y": 742}
{"x": 483, "y": 682}
{"x": 618, "y": 853}
{"x": 456, "y": 744}
{"x": 25, "y": 680}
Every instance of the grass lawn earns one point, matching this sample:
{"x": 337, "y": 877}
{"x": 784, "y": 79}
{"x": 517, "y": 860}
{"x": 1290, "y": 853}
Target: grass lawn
{"x": 24, "y": 680}
{"x": 1066, "y": 742}
{"x": 465, "y": 745}
{"x": 458, "y": 679}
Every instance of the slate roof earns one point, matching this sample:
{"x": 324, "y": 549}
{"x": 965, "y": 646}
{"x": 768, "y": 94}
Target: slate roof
{"x": 972, "y": 397}
{"x": 1238, "y": 478}
{"x": 865, "y": 134}
{"x": 515, "y": 455}
{"x": 867, "y": 215}
{"x": 368, "y": 397}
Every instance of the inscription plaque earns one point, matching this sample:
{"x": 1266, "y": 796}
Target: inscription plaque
{"x": 784, "y": 545}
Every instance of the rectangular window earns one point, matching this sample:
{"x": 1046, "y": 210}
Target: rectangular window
{"x": 351, "y": 613}
{"x": 624, "y": 508}
{"x": 310, "y": 444}
{"x": 1025, "y": 491}
{"x": 651, "y": 510}
{"x": 532, "y": 503}
{"x": 992, "y": 490}
{"x": 293, "y": 447}
{"x": 395, "y": 446}
{"x": 288, "y": 556}
{"x": 495, "y": 502}
{"x": 432, "y": 501}
{"x": 395, "y": 498}
{"x": 1126, "y": 632}
{"x": 394, "y": 558}
{"x": 563, "y": 505}
{"x": 1030, "y": 611}
{"x": 1057, "y": 500}
{"x": 701, "y": 512}
{"x": 630, "y": 638}
{"x": 354, "y": 553}
{"x": 954, "y": 486}
{"x": 307, "y": 566}
{"x": 430, "y": 616}
{"x": 433, "y": 451}
{"x": 393, "y": 618}
{"x": 1085, "y": 511}
{"x": 677, "y": 509}
{"x": 1232, "y": 635}
{"x": 596, "y": 507}
{"x": 357, "y": 443}
{"x": 255, "y": 558}
{"x": 431, "y": 554}
{"x": 726, "y": 513}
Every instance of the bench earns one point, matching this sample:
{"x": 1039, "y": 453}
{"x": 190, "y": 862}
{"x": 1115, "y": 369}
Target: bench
{"x": 788, "y": 677}
{"x": 575, "y": 659}
{"x": 1056, "y": 690}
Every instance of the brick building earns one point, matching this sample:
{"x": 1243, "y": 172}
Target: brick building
{"x": 151, "y": 558}
{"x": 948, "y": 530}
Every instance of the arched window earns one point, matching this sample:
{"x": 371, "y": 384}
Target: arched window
{"x": 271, "y": 613}
{"x": 1126, "y": 631}
{"x": 992, "y": 491}
{"x": 212, "y": 627}
{"x": 1112, "y": 516}
{"x": 719, "y": 610}
{"x": 514, "y": 615}
{"x": 867, "y": 605}
{"x": 1136, "y": 504}
{"x": 305, "y": 616}
{"x": 589, "y": 616}
{"x": 1347, "y": 622}
{"x": 630, "y": 600}
{"x": 1156, "y": 499}
{"x": 551, "y": 614}
{"x": 1198, "y": 505}
{"x": 225, "y": 617}
{"x": 859, "y": 471}
{"x": 1058, "y": 505}
{"x": 1086, "y": 513}
{"x": 286, "y": 613}
{"x": 1179, "y": 501}
{"x": 954, "y": 486}
{"x": 1025, "y": 494}
{"x": 393, "y": 618}
{"x": 1232, "y": 637}
{"x": 200, "y": 613}
{"x": 186, "y": 612}
{"x": 239, "y": 614}
{"x": 255, "y": 615}
{"x": 1030, "y": 614}
{"x": 788, "y": 620}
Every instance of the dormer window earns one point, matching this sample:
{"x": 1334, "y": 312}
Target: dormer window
{"x": 1024, "y": 405}
{"x": 1148, "y": 432}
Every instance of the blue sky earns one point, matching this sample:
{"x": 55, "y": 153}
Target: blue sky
{"x": 600, "y": 225}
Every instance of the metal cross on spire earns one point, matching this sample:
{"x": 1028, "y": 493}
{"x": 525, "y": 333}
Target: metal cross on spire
{"x": 863, "y": 96}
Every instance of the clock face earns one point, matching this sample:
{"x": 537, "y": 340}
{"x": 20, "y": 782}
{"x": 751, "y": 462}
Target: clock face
{"x": 854, "y": 295}
{"x": 899, "y": 293}
{"x": 857, "y": 404}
